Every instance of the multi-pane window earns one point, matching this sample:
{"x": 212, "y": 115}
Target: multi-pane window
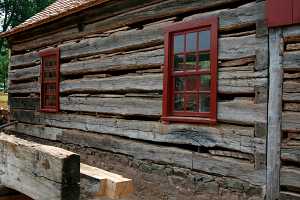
{"x": 190, "y": 75}
{"x": 50, "y": 75}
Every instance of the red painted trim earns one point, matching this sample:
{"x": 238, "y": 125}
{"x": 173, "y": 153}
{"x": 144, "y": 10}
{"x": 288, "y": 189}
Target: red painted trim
{"x": 168, "y": 114}
{"x": 280, "y": 12}
{"x": 44, "y": 54}
{"x": 296, "y": 11}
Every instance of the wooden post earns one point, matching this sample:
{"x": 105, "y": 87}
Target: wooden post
{"x": 274, "y": 114}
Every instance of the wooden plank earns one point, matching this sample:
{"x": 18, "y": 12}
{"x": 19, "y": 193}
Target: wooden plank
{"x": 274, "y": 116}
{"x": 239, "y": 138}
{"x": 38, "y": 171}
{"x": 110, "y": 185}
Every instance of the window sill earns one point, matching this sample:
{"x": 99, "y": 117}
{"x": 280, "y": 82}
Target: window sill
{"x": 48, "y": 110}
{"x": 192, "y": 120}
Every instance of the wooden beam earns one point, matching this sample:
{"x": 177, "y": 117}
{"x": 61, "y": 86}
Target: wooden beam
{"x": 274, "y": 115}
{"x": 104, "y": 183}
{"x": 38, "y": 171}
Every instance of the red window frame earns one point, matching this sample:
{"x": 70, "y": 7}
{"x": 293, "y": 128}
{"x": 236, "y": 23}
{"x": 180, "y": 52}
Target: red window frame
{"x": 44, "y": 54}
{"x": 168, "y": 113}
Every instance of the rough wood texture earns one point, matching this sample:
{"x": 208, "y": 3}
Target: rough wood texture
{"x": 289, "y": 196}
{"x": 291, "y": 61}
{"x": 103, "y": 183}
{"x": 291, "y": 121}
{"x": 165, "y": 9}
{"x": 227, "y": 136}
{"x": 290, "y": 154}
{"x": 274, "y": 116}
{"x": 290, "y": 177}
{"x": 41, "y": 172}
{"x": 240, "y": 112}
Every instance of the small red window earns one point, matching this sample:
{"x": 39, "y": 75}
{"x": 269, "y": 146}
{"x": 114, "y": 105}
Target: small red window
{"x": 190, "y": 73}
{"x": 50, "y": 78}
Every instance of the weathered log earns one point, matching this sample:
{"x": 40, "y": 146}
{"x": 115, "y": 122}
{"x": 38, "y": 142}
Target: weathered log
{"x": 290, "y": 154}
{"x": 291, "y": 121}
{"x": 274, "y": 114}
{"x": 237, "y": 62}
{"x": 26, "y": 103}
{"x": 31, "y": 87}
{"x": 143, "y": 151}
{"x": 289, "y": 196}
{"x": 240, "y": 112}
{"x": 38, "y": 171}
{"x": 293, "y": 47}
{"x": 229, "y": 19}
{"x": 291, "y": 61}
{"x": 291, "y": 97}
{"x": 227, "y": 136}
{"x": 290, "y": 177}
{"x": 295, "y": 107}
{"x": 291, "y": 86}
{"x": 96, "y": 183}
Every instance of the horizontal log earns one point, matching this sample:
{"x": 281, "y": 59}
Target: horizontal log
{"x": 290, "y": 177}
{"x": 291, "y": 121}
{"x": 31, "y": 87}
{"x": 290, "y": 154}
{"x": 38, "y": 171}
{"x": 293, "y": 47}
{"x": 229, "y": 49}
{"x": 289, "y": 196}
{"x": 291, "y": 61}
{"x": 26, "y": 103}
{"x": 169, "y": 155}
{"x": 234, "y": 137}
{"x": 235, "y": 18}
{"x": 295, "y": 107}
{"x": 240, "y": 112}
{"x": 290, "y": 31}
{"x": 228, "y": 19}
{"x": 291, "y": 97}
{"x": 291, "y": 86}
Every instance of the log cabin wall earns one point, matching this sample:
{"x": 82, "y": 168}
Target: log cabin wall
{"x": 111, "y": 89}
{"x": 290, "y": 145}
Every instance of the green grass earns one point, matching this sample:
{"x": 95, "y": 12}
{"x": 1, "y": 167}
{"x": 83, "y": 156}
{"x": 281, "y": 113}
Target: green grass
{"x": 3, "y": 101}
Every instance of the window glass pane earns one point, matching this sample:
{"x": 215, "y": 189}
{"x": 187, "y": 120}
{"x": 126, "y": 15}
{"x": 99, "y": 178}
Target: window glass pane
{"x": 178, "y": 62}
{"x": 191, "y": 42}
{"x": 50, "y": 61}
{"x": 204, "y": 61}
{"x": 179, "y": 44}
{"x": 204, "y": 40}
{"x": 191, "y": 61}
{"x": 49, "y": 75}
{"x": 191, "y": 83}
{"x": 179, "y": 102}
{"x": 50, "y": 88}
{"x": 205, "y": 82}
{"x": 179, "y": 83}
{"x": 191, "y": 103}
{"x": 50, "y": 100}
{"x": 204, "y": 104}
